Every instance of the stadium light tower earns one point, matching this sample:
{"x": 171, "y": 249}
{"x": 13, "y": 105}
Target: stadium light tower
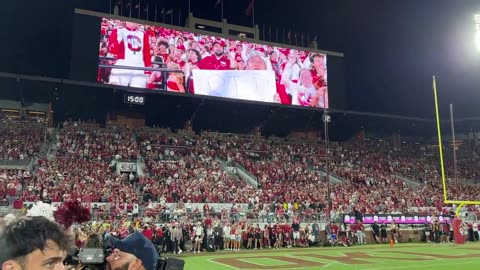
{"x": 477, "y": 30}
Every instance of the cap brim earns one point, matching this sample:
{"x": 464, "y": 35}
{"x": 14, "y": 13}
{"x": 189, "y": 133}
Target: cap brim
{"x": 115, "y": 242}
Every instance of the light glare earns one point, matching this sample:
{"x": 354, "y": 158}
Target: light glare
{"x": 477, "y": 28}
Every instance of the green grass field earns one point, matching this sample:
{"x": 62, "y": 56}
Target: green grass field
{"x": 372, "y": 257}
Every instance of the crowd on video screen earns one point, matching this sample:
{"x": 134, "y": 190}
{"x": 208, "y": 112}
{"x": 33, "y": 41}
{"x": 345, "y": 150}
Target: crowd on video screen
{"x": 300, "y": 77}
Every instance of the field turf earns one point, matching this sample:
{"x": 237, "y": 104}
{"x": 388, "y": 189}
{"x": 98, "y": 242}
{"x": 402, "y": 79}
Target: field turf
{"x": 372, "y": 257}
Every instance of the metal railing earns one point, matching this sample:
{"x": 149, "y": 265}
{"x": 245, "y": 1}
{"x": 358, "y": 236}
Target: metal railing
{"x": 165, "y": 216}
{"x": 248, "y": 176}
{"x": 164, "y": 72}
{"x": 14, "y": 163}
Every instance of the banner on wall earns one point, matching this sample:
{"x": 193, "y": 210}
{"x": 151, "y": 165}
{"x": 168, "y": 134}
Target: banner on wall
{"x": 398, "y": 218}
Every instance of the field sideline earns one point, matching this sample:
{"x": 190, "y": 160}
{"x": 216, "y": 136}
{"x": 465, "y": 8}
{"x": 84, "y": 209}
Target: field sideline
{"x": 372, "y": 257}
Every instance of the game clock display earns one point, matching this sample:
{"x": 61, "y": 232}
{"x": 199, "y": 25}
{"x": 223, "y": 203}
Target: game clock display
{"x": 134, "y": 99}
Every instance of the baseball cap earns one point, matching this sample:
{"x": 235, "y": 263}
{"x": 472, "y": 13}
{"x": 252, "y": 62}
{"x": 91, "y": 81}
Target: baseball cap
{"x": 219, "y": 41}
{"x": 238, "y": 57}
{"x": 255, "y": 53}
{"x": 137, "y": 244}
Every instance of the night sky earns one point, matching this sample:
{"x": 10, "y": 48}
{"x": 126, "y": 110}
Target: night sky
{"x": 392, "y": 48}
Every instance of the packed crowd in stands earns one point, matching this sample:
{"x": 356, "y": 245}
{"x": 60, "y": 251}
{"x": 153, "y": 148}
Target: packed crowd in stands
{"x": 195, "y": 176}
{"x": 21, "y": 138}
{"x": 187, "y": 168}
{"x": 284, "y": 172}
{"x": 82, "y": 167}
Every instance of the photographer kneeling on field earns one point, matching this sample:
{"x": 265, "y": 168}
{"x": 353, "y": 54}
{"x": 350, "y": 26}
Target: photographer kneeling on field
{"x": 132, "y": 253}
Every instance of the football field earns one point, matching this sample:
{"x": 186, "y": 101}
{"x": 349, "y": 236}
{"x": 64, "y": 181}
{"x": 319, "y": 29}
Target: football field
{"x": 372, "y": 257}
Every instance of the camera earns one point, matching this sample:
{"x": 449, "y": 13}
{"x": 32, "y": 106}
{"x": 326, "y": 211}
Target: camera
{"x": 96, "y": 259}
{"x": 89, "y": 258}
{"x": 92, "y": 255}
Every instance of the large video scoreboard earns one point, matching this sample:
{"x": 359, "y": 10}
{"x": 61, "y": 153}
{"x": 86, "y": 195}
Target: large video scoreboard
{"x": 150, "y": 58}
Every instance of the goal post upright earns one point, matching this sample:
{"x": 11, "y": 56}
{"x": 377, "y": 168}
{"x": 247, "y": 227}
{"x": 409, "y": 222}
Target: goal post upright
{"x": 442, "y": 163}
{"x": 457, "y": 221}
{"x": 440, "y": 144}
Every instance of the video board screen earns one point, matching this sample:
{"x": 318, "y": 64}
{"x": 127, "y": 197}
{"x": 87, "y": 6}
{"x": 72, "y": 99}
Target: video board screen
{"x": 399, "y": 219}
{"x": 163, "y": 59}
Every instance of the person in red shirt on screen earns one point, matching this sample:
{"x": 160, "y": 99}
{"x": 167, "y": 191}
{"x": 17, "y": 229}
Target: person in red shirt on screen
{"x": 175, "y": 81}
{"x": 275, "y": 64}
{"x": 177, "y": 57}
{"x": 318, "y": 70}
{"x": 194, "y": 58}
{"x": 155, "y": 79}
{"x": 218, "y": 60}
{"x": 161, "y": 50}
{"x": 104, "y": 27}
{"x": 130, "y": 45}
{"x": 319, "y": 76}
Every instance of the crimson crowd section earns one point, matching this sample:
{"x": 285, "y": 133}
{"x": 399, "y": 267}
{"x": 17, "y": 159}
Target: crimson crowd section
{"x": 370, "y": 176}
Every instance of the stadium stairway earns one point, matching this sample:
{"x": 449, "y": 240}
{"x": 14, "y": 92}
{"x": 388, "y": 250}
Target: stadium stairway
{"x": 333, "y": 178}
{"x": 407, "y": 180}
{"x": 239, "y": 172}
{"x": 469, "y": 181}
{"x": 140, "y": 160}
{"x": 51, "y": 148}
{"x": 141, "y": 166}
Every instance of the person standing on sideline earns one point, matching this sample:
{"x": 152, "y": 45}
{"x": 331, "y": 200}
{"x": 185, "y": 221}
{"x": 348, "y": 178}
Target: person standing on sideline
{"x": 475, "y": 231}
{"x": 376, "y": 232}
{"x": 360, "y": 233}
{"x": 383, "y": 232}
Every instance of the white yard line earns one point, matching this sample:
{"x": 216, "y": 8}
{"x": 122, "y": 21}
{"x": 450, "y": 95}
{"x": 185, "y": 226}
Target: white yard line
{"x": 226, "y": 265}
{"x": 247, "y": 261}
{"x": 282, "y": 262}
{"x": 421, "y": 265}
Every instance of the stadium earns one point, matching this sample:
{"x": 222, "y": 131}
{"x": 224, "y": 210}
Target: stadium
{"x": 235, "y": 142}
